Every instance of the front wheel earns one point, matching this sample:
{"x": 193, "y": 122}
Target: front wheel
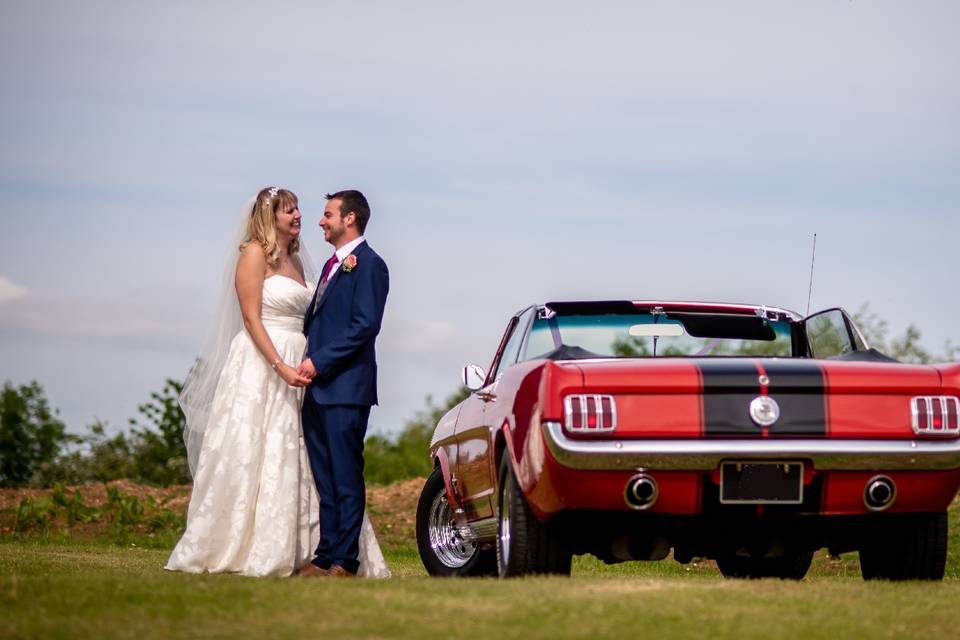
{"x": 443, "y": 549}
{"x": 524, "y": 544}
{"x": 906, "y": 547}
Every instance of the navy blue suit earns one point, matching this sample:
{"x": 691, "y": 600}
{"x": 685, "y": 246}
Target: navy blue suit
{"x": 341, "y": 329}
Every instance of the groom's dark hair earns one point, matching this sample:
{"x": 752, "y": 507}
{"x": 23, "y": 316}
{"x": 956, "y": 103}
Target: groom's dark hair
{"x": 352, "y": 200}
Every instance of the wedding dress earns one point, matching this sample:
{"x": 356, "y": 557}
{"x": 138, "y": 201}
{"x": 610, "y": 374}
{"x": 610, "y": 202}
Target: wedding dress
{"x": 254, "y": 509}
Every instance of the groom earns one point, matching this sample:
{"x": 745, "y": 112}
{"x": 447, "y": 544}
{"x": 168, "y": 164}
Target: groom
{"x": 341, "y": 326}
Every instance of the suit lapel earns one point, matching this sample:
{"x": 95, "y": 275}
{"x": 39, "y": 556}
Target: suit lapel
{"x": 332, "y": 282}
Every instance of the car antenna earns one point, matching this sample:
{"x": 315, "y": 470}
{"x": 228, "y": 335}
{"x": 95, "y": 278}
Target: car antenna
{"x": 812, "y": 258}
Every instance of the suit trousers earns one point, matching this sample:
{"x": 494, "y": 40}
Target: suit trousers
{"x": 334, "y": 437}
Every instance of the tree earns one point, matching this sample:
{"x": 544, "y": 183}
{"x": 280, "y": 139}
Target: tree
{"x": 158, "y": 448}
{"x": 96, "y": 458}
{"x": 31, "y": 436}
{"x": 906, "y": 348}
{"x": 152, "y": 451}
{"x": 406, "y": 456}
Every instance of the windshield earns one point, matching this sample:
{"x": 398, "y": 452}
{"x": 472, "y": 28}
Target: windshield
{"x": 662, "y": 335}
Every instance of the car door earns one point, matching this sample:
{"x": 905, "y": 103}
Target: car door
{"x": 474, "y": 432}
{"x": 831, "y": 333}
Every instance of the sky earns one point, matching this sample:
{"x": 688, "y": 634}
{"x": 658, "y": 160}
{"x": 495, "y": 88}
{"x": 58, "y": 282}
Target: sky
{"x": 512, "y": 153}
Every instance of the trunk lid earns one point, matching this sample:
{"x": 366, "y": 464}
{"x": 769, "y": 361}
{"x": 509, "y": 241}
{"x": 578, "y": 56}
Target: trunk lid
{"x": 712, "y": 397}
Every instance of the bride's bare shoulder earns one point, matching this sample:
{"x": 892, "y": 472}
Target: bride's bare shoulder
{"x": 252, "y": 262}
{"x": 252, "y": 248}
{"x": 252, "y": 253}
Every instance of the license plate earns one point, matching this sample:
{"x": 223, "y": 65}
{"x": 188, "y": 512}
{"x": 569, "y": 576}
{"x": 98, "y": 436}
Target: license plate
{"x": 761, "y": 482}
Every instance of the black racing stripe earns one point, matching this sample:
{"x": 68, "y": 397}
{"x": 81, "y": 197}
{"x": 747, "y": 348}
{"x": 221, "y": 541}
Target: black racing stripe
{"x": 728, "y": 388}
{"x": 799, "y": 387}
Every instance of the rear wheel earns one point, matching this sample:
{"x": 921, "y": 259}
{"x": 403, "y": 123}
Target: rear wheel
{"x": 524, "y": 544}
{"x": 906, "y": 547}
{"x": 443, "y": 549}
{"x": 789, "y": 566}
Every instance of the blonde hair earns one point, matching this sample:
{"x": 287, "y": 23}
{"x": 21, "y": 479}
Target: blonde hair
{"x": 262, "y": 225}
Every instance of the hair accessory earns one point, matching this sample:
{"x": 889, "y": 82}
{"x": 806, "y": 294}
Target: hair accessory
{"x": 273, "y": 192}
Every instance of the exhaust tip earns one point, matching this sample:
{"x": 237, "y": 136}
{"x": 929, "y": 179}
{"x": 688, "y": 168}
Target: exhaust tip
{"x": 879, "y": 493}
{"x": 641, "y": 492}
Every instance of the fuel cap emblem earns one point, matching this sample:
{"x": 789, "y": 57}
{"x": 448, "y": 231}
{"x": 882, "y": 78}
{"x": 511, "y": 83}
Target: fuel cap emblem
{"x": 764, "y": 410}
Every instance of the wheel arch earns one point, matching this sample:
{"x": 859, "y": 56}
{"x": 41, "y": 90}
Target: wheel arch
{"x": 440, "y": 460}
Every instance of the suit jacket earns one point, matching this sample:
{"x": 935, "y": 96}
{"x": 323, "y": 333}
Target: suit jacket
{"x": 342, "y": 331}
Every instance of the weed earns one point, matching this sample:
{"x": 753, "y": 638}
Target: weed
{"x": 76, "y": 509}
{"x": 34, "y": 514}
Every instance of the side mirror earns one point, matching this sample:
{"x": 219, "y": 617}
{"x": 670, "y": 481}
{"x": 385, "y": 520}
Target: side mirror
{"x": 473, "y": 376}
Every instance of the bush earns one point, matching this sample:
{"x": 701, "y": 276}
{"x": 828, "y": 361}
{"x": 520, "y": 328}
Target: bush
{"x": 406, "y": 456}
{"x": 152, "y": 452}
{"x": 122, "y": 518}
{"x": 30, "y": 435}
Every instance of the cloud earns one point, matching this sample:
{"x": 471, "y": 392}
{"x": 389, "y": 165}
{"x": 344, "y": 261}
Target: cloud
{"x": 159, "y": 320}
{"x": 662, "y": 151}
{"x": 10, "y": 291}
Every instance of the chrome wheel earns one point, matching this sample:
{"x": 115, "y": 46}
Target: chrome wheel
{"x": 451, "y": 548}
{"x": 503, "y": 549}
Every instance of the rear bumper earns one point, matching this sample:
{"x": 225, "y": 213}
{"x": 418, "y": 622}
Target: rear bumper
{"x": 706, "y": 455}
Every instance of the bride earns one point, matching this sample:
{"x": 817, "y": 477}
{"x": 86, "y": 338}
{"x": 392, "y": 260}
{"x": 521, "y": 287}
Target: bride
{"x": 254, "y": 509}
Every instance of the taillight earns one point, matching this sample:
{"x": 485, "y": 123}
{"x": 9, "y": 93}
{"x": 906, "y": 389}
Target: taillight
{"x": 935, "y": 415}
{"x": 590, "y": 413}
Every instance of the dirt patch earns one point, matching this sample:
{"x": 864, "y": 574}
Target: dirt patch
{"x": 393, "y": 511}
{"x": 176, "y": 497}
{"x": 392, "y": 508}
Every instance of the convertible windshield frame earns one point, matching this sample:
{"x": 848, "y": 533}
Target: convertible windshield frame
{"x": 628, "y": 330}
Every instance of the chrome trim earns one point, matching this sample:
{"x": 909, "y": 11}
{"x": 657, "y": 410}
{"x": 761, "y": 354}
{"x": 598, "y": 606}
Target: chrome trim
{"x": 706, "y": 455}
{"x": 504, "y": 531}
{"x": 946, "y": 429}
{"x": 632, "y": 488}
{"x": 581, "y": 401}
{"x": 446, "y": 539}
{"x": 884, "y": 480}
{"x": 764, "y": 411}
{"x": 484, "y": 530}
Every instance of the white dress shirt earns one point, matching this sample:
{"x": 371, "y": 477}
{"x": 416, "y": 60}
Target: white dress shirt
{"x": 342, "y": 253}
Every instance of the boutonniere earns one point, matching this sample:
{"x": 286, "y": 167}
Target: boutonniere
{"x": 349, "y": 263}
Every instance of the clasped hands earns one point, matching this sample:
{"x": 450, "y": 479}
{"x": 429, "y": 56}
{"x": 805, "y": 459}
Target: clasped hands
{"x": 299, "y": 377}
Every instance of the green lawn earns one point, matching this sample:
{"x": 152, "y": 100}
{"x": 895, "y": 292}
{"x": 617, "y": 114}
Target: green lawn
{"x": 61, "y": 587}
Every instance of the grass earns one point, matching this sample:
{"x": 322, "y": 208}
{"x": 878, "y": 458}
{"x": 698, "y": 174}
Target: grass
{"x": 60, "y": 582}
{"x": 89, "y": 588}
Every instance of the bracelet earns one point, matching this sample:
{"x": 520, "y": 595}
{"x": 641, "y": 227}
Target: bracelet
{"x": 275, "y": 363}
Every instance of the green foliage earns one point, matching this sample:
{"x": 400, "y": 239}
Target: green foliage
{"x": 638, "y": 347}
{"x": 30, "y": 435}
{"x": 406, "y": 456}
{"x": 97, "y": 458}
{"x": 159, "y": 453}
{"x": 152, "y": 452}
{"x": 76, "y": 510}
{"x": 905, "y": 348}
{"x": 127, "y": 518}
{"x": 34, "y": 514}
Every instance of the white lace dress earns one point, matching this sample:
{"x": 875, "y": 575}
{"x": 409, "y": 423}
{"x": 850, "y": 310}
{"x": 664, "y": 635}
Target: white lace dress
{"x": 254, "y": 509}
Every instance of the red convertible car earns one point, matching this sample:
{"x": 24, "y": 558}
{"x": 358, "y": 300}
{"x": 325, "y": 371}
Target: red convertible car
{"x": 742, "y": 433}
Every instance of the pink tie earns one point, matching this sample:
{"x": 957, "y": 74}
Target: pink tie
{"x": 328, "y": 267}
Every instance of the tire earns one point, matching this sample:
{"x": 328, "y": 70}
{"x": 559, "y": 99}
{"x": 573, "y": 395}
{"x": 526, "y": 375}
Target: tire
{"x": 443, "y": 551}
{"x": 790, "y": 566}
{"x": 908, "y": 547}
{"x": 525, "y": 545}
